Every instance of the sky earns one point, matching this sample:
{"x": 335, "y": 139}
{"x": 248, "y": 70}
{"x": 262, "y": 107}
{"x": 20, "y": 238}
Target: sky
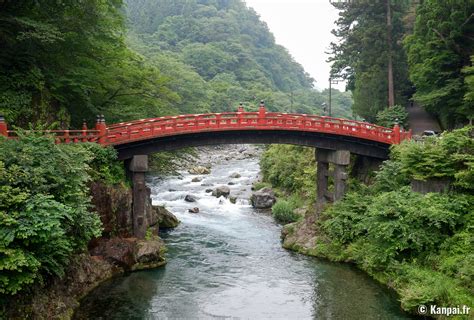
{"x": 304, "y": 28}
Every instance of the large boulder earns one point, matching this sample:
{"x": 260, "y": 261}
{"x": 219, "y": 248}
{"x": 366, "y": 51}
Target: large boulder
{"x": 166, "y": 219}
{"x": 131, "y": 253}
{"x": 149, "y": 254}
{"x": 221, "y": 191}
{"x": 199, "y": 170}
{"x": 263, "y": 198}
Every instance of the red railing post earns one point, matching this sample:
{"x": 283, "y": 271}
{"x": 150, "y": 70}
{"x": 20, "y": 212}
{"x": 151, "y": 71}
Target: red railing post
{"x": 261, "y": 113}
{"x": 102, "y": 128}
{"x": 3, "y": 127}
{"x": 84, "y": 130}
{"x": 66, "y": 136}
{"x": 240, "y": 110}
{"x": 396, "y": 134}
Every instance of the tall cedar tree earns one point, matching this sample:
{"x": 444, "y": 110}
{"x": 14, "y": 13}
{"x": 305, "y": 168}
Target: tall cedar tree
{"x": 361, "y": 54}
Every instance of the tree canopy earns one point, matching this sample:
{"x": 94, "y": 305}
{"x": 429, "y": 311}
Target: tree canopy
{"x": 431, "y": 47}
{"x": 65, "y": 61}
{"x": 439, "y": 48}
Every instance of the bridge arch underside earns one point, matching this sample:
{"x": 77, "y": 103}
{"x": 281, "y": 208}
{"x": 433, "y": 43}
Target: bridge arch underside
{"x": 355, "y": 145}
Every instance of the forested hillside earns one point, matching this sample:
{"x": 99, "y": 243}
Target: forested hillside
{"x": 218, "y": 53}
{"x": 64, "y": 62}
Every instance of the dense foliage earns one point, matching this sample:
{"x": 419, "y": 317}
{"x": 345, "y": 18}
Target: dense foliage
{"x": 361, "y": 54}
{"x": 291, "y": 168}
{"x": 431, "y": 48}
{"x": 419, "y": 244}
{"x": 389, "y": 116}
{"x": 45, "y": 212}
{"x": 64, "y": 61}
{"x": 283, "y": 211}
{"x": 438, "y": 50}
{"x": 450, "y": 157}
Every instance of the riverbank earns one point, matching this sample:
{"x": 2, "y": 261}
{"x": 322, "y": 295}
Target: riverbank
{"x": 227, "y": 261}
{"x": 113, "y": 254}
{"x": 415, "y": 240}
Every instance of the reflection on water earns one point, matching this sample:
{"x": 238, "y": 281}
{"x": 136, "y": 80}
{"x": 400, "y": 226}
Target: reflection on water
{"x": 227, "y": 262}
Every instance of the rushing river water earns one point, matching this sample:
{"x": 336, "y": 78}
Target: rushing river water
{"x": 226, "y": 262}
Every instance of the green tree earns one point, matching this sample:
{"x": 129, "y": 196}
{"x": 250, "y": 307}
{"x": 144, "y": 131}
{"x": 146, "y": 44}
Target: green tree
{"x": 439, "y": 48}
{"x": 45, "y": 210}
{"x": 65, "y": 61}
{"x": 361, "y": 56}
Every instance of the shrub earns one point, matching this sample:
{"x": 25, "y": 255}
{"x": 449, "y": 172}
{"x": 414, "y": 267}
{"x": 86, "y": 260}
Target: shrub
{"x": 44, "y": 208}
{"x": 260, "y": 185}
{"x": 289, "y": 167}
{"x": 420, "y": 285}
{"x": 104, "y": 165}
{"x": 451, "y": 156}
{"x": 389, "y": 116}
{"x": 282, "y": 211}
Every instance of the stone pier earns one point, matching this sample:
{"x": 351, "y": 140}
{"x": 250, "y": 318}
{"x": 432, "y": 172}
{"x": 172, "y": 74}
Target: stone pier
{"x": 340, "y": 159}
{"x": 137, "y": 168}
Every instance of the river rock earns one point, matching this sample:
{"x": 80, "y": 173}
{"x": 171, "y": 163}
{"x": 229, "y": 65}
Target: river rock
{"x": 190, "y": 198}
{"x": 196, "y": 179}
{"x": 131, "y": 253}
{"x": 235, "y": 175}
{"x": 166, "y": 219}
{"x": 148, "y": 252}
{"x": 208, "y": 190}
{"x": 263, "y": 198}
{"x": 231, "y": 183}
{"x": 221, "y": 191}
{"x": 194, "y": 210}
{"x": 233, "y": 199}
{"x": 199, "y": 170}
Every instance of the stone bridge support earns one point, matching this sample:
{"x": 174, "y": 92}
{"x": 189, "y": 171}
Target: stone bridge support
{"x": 340, "y": 159}
{"x": 137, "y": 167}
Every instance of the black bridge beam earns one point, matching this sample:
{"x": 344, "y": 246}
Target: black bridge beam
{"x": 309, "y": 139}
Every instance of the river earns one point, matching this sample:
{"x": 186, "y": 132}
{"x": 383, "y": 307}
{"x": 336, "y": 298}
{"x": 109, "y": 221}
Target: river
{"x": 226, "y": 262}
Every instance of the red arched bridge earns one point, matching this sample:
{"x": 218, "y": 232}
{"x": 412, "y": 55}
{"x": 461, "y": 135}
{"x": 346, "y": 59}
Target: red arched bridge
{"x": 334, "y": 140}
{"x": 146, "y": 136}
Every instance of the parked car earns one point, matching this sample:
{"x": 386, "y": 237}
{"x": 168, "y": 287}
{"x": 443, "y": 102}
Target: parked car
{"x": 430, "y": 133}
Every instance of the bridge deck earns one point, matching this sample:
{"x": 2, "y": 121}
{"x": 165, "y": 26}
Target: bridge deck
{"x": 146, "y": 129}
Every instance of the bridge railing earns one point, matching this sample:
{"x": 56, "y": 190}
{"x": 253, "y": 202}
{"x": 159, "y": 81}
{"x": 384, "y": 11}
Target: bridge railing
{"x": 142, "y": 129}
{"x": 62, "y": 136}
{"x": 172, "y": 125}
